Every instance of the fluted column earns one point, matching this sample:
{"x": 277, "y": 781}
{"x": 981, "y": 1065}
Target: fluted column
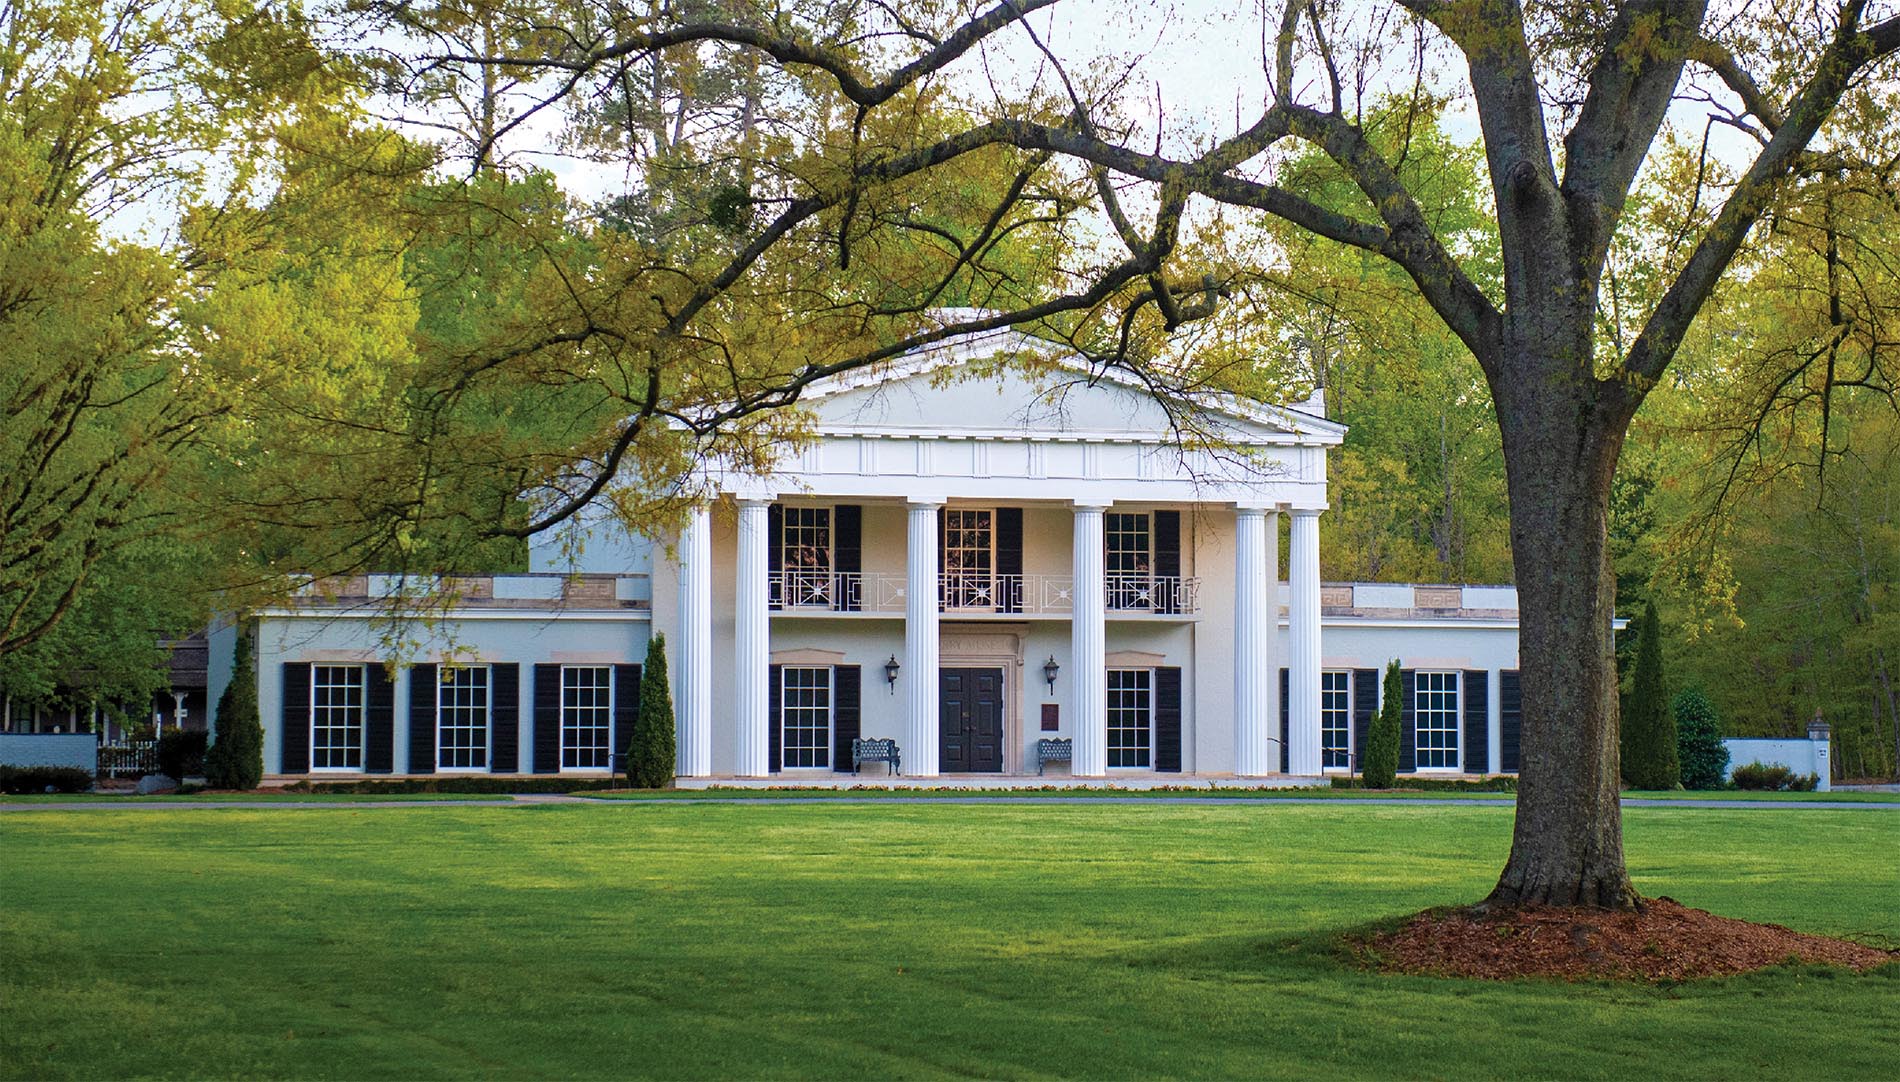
{"x": 694, "y": 656}
{"x": 1088, "y": 659}
{"x": 921, "y": 745}
{"x": 752, "y": 642}
{"x": 1256, "y": 570}
{"x": 1303, "y": 737}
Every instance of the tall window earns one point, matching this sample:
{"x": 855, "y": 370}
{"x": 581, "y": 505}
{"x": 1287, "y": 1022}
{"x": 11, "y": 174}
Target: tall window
{"x": 1335, "y": 719}
{"x": 336, "y": 717}
{"x": 1129, "y": 560}
{"x": 806, "y": 556}
{"x": 969, "y": 548}
{"x": 1435, "y": 705}
{"x": 461, "y": 718}
{"x": 587, "y": 717}
{"x": 805, "y": 717}
{"x": 1130, "y": 717}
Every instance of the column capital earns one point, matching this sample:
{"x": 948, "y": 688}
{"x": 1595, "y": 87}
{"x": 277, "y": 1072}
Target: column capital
{"x": 755, "y": 501}
{"x": 1308, "y": 512}
{"x": 1251, "y": 508}
{"x": 926, "y": 501}
{"x": 1092, "y": 504}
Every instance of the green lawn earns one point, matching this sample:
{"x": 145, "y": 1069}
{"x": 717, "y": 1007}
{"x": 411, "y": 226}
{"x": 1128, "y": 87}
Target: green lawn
{"x": 881, "y": 940}
{"x": 237, "y": 798}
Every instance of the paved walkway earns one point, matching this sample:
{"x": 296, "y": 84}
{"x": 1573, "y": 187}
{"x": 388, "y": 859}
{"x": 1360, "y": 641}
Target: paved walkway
{"x": 541, "y": 799}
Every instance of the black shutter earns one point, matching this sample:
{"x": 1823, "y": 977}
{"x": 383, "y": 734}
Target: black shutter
{"x": 1167, "y": 538}
{"x": 423, "y": 697}
{"x": 1510, "y": 720}
{"x": 1286, "y": 722}
{"x": 1168, "y": 720}
{"x": 1408, "y": 722}
{"x": 847, "y": 683}
{"x": 775, "y": 551}
{"x": 379, "y": 728}
{"x": 1365, "y": 702}
{"x": 504, "y": 718}
{"x": 1477, "y": 695}
{"x": 847, "y": 555}
{"x": 626, "y": 709}
{"x": 296, "y": 716}
{"x": 547, "y": 719}
{"x": 774, "y": 719}
{"x": 1009, "y": 558}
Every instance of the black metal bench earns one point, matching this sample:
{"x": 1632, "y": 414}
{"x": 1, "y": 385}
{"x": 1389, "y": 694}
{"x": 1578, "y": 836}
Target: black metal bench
{"x": 875, "y": 751}
{"x": 1054, "y": 751}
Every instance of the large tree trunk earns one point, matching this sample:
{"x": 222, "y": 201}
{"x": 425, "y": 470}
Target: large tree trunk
{"x": 1561, "y": 444}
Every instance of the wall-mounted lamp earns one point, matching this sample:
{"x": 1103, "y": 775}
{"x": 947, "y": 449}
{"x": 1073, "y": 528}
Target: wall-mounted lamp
{"x": 890, "y": 673}
{"x": 1050, "y": 670}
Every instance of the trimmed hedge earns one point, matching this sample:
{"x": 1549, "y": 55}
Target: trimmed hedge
{"x": 181, "y": 753}
{"x": 1765, "y": 778}
{"x": 39, "y": 779}
{"x": 1501, "y": 784}
{"x": 496, "y": 786}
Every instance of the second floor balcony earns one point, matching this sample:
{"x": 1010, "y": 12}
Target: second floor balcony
{"x": 979, "y": 594}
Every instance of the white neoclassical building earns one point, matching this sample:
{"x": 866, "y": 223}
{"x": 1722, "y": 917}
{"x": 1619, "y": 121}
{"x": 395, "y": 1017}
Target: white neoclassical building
{"x": 970, "y": 569}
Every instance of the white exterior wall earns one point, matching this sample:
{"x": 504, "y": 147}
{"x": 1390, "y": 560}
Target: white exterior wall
{"x": 527, "y": 638}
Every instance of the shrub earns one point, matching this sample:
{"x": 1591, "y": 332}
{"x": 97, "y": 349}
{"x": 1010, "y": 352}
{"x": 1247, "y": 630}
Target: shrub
{"x": 1503, "y": 783}
{"x": 1703, "y": 756}
{"x": 1381, "y": 762}
{"x": 236, "y": 758}
{"x": 650, "y": 752}
{"x": 181, "y": 753}
{"x": 1762, "y": 776}
{"x": 1804, "y": 783}
{"x": 453, "y": 784}
{"x": 1648, "y": 734}
{"x": 39, "y": 779}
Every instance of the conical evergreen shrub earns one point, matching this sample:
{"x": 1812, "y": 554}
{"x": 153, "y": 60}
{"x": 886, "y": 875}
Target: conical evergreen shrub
{"x": 650, "y": 753}
{"x": 236, "y": 759}
{"x": 1649, "y": 727}
{"x": 1699, "y": 746}
{"x": 1380, "y": 766}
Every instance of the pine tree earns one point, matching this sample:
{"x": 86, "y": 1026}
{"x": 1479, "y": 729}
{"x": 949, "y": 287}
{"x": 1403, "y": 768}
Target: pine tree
{"x": 1649, "y": 728}
{"x": 649, "y": 762}
{"x": 1381, "y": 764}
{"x": 1700, "y": 750}
{"x": 236, "y": 760}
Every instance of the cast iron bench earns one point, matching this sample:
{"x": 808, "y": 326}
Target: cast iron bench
{"x": 874, "y": 751}
{"x": 1054, "y": 751}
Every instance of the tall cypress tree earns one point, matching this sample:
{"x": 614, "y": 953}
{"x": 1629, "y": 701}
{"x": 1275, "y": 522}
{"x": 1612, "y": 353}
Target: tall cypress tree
{"x": 1381, "y": 764}
{"x": 236, "y": 760}
{"x": 1649, "y": 727}
{"x": 650, "y": 753}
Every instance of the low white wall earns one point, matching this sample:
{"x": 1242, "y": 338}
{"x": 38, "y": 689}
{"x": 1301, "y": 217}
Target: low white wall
{"x": 77, "y": 750}
{"x": 1799, "y": 755}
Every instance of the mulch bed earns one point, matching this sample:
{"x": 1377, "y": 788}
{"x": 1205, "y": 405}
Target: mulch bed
{"x": 1667, "y": 941}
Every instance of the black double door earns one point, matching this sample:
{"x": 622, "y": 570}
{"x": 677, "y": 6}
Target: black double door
{"x": 970, "y": 721}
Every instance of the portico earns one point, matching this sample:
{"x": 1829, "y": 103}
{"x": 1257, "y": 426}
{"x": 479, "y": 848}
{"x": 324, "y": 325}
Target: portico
{"x": 1057, "y": 517}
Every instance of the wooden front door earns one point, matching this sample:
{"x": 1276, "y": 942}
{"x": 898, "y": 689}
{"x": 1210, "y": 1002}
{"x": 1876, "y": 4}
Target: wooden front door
{"x": 970, "y": 721}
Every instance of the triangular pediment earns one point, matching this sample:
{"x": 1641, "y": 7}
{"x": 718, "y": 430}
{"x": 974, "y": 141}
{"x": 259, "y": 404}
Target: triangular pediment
{"x": 964, "y": 390}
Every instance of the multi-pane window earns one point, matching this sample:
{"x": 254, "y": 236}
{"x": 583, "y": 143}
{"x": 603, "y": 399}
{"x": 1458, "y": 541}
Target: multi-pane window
{"x": 805, "y": 717}
{"x": 1335, "y": 719}
{"x": 1435, "y": 706}
{"x": 805, "y": 556}
{"x": 1130, "y": 717}
{"x": 969, "y": 542}
{"x": 587, "y": 717}
{"x": 1129, "y": 560}
{"x": 336, "y": 717}
{"x": 461, "y": 718}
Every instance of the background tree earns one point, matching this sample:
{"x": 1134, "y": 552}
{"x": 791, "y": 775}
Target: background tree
{"x": 1649, "y": 728}
{"x": 1380, "y": 764}
{"x": 235, "y": 759}
{"x": 650, "y": 755}
{"x": 1699, "y": 740}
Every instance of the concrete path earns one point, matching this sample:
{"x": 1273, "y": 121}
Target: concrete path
{"x": 541, "y": 799}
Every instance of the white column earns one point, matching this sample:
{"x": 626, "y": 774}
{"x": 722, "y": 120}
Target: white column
{"x": 1088, "y": 665}
{"x": 1256, "y": 571}
{"x": 694, "y": 650}
{"x": 752, "y": 659}
{"x": 1303, "y": 645}
{"x": 920, "y": 748}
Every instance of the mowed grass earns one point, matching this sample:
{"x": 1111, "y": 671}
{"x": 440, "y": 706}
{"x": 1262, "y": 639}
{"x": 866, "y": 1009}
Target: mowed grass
{"x": 771, "y": 940}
